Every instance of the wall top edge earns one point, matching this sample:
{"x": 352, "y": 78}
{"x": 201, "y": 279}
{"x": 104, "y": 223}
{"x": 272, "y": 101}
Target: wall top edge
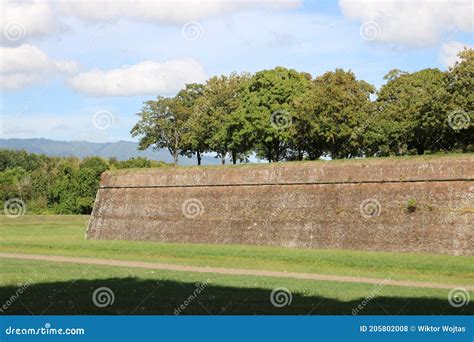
{"x": 320, "y": 172}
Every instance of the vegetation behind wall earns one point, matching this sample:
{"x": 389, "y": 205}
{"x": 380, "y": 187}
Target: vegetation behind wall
{"x": 56, "y": 185}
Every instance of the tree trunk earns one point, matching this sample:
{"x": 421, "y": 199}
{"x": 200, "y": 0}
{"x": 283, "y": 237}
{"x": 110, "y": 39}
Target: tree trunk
{"x": 198, "y": 157}
{"x": 176, "y": 149}
{"x": 234, "y": 157}
{"x": 223, "y": 158}
{"x": 420, "y": 150}
{"x": 175, "y": 157}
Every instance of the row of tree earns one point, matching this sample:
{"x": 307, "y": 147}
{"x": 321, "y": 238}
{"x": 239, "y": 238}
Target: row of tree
{"x": 55, "y": 185}
{"x": 283, "y": 114}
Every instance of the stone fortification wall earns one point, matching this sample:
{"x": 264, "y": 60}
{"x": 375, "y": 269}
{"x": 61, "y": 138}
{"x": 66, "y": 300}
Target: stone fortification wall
{"x": 394, "y": 204}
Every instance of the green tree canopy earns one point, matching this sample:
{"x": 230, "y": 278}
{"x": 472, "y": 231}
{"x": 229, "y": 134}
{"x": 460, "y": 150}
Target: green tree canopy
{"x": 461, "y": 105}
{"x": 337, "y": 111}
{"x": 283, "y": 114}
{"x": 216, "y": 124}
{"x": 410, "y": 113}
{"x": 164, "y": 122}
{"x": 269, "y": 107}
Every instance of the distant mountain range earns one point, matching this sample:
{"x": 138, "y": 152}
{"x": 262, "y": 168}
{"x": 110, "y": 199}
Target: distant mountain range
{"x": 121, "y": 150}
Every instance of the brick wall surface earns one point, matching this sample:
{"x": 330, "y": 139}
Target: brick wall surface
{"x": 361, "y": 205}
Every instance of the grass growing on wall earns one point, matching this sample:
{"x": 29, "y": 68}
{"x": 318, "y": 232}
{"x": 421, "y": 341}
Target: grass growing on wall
{"x": 372, "y": 160}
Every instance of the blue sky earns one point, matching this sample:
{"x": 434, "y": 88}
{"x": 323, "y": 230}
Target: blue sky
{"x": 80, "y": 70}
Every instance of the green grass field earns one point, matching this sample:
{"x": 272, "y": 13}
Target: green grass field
{"x": 58, "y": 288}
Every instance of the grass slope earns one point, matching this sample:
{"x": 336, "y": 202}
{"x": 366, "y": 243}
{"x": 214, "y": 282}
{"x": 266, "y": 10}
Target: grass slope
{"x": 64, "y": 235}
{"x": 56, "y": 288}
{"x": 68, "y": 289}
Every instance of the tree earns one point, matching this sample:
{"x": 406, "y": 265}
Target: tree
{"x": 188, "y": 98}
{"x": 56, "y": 184}
{"x": 215, "y": 124}
{"x": 337, "y": 112}
{"x": 269, "y": 109}
{"x": 460, "y": 86}
{"x": 306, "y": 140}
{"x": 28, "y": 162}
{"x": 97, "y": 164}
{"x": 163, "y": 123}
{"x": 10, "y": 182}
{"x": 410, "y": 113}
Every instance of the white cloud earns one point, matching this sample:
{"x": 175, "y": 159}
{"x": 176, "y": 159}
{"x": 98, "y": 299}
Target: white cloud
{"x": 145, "y": 78}
{"x": 19, "y": 80}
{"x": 27, "y": 65}
{"x": 412, "y": 23}
{"x": 177, "y": 11}
{"x": 24, "y": 19}
{"x": 449, "y": 52}
{"x": 21, "y": 20}
{"x": 29, "y": 58}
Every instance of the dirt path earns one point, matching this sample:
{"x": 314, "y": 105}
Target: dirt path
{"x": 231, "y": 271}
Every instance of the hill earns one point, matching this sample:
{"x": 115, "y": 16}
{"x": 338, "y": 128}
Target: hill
{"x": 121, "y": 150}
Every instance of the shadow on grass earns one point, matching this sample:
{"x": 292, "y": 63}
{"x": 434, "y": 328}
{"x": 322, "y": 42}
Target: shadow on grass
{"x": 164, "y": 297}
